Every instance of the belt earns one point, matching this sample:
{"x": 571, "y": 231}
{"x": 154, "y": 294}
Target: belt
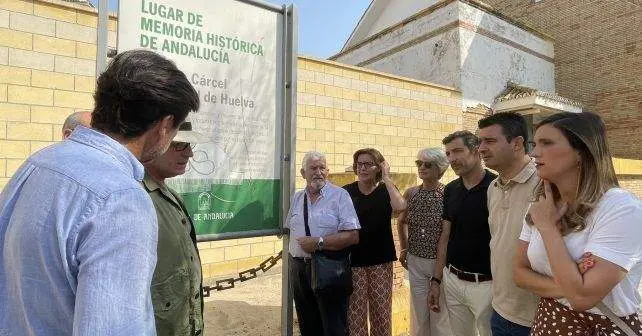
{"x": 303, "y": 259}
{"x": 468, "y": 276}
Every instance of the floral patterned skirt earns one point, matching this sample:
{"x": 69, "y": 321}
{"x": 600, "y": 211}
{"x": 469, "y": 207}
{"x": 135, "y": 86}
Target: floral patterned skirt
{"x": 554, "y": 318}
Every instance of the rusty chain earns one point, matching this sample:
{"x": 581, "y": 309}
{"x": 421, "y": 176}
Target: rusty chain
{"x": 248, "y": 274}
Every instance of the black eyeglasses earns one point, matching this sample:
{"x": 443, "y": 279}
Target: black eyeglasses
{"x": 181, "y": 146}
{"x": 366, "y": 165}
{"x": 426, "y": 164}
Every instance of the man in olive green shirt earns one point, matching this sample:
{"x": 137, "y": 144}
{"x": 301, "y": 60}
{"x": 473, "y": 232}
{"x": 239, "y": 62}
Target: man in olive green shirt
{"x": 177, "y": 281}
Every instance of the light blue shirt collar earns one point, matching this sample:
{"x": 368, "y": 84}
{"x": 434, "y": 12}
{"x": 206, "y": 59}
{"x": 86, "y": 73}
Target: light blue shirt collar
{"x": 109, "y": 145}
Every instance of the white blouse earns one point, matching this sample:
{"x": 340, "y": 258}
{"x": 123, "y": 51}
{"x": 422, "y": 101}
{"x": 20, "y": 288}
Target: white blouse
{"x": 614, "y": 233}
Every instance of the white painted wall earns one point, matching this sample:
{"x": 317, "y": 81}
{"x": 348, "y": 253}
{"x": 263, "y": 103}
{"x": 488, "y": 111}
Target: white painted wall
{"x": 396, "y": 11}
{"x": 441, "y": 17}
{"x": 435, "y": 60}
{"x": 476, "y": 64}
{"x": 487, "y": 65}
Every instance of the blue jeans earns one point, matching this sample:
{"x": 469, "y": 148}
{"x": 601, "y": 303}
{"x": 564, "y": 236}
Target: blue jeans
{"x": 503, "y": 327}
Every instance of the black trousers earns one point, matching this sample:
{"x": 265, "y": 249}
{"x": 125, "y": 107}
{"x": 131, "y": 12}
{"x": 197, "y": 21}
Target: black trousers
{"x": 319, "y": 315}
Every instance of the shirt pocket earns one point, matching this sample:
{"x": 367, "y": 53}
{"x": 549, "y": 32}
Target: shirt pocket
{"x": 327, "y": 223}
{"x": 296, "y": 221}
{"x": 171, "y": 301}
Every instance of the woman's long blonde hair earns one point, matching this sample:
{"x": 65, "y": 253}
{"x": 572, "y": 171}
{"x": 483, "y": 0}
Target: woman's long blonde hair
{"x": 586, "y": 134}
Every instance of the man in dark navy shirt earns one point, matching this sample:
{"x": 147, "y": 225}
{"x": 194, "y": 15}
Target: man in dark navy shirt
{"x": 463, "y": 256}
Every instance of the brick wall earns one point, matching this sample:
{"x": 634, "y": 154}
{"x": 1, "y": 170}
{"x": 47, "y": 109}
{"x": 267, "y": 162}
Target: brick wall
{"x": 47, "y": 55}
{"x": 632, "y": 183}
{"x": 472, "y": 116}
{"x": 598, "y": 59}
{"x": 341, "y": 108}
{"x": 47, "y": 71}
{"x": 629, "y": 174}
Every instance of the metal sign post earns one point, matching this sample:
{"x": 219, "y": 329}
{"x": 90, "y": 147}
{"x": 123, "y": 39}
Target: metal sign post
{"x": 289, "y": 153}
{"x": 102, "y": 34}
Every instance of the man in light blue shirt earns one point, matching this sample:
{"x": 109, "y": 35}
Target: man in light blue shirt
{"x": 78, "y": 233}
{"x": 333, "y": 226}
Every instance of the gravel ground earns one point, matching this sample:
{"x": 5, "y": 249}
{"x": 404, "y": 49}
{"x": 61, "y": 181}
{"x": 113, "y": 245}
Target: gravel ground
{"x": 251, "y": 308}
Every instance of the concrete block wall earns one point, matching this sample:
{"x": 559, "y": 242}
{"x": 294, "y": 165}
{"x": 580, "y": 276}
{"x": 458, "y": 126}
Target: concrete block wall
{"x": 221, "y": 259}
{"x": 47, "y": 55}
{"x": 47, "y": 71}
{"x": 342, "y": 108}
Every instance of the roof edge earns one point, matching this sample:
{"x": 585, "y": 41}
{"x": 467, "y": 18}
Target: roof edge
{"x": 426, "y": 11}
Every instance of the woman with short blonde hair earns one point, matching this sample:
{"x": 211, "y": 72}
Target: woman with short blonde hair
{"x": 419, "y": 230}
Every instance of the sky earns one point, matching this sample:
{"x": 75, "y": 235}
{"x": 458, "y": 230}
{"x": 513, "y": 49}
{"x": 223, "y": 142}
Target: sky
{"x": 324, "y": 25}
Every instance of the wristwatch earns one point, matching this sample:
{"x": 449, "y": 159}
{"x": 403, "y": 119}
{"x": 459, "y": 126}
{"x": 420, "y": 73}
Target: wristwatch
{"x": 320, "y": 244}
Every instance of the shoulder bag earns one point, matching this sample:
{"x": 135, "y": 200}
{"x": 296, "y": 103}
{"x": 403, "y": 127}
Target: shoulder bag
{"x": 615, "y": 319}
{"x": 331, "y": 270}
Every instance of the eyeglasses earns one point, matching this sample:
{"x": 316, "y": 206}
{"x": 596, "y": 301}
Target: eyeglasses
{"x": 426, "y": 164}
{"x": 181, "y": 146}
{"x": 366, "y": 165}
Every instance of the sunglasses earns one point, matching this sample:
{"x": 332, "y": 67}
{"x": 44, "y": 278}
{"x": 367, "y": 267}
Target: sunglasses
{"x": 181, "y": 146}
{"x": 426, "y": 164}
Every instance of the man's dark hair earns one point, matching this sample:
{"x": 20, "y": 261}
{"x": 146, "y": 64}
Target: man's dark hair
{"x": 137, "y": 90}
{"x": 513, "y": 125}
{"x": 470, "y": 140}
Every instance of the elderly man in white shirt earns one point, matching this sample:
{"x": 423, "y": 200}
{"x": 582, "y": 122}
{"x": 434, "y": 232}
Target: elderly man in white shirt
{"x": 333, "y": 226}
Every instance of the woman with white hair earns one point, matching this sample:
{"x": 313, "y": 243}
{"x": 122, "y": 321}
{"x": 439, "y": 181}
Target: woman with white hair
{"x": 419, "y": 231}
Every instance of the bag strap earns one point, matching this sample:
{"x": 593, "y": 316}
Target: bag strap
{"x": 305, "y": 213}
{"x": 615, "y": 319}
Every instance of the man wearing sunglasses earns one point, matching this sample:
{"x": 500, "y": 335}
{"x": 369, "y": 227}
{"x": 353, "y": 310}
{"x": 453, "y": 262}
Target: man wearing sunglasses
{"x": 177, "y": 281}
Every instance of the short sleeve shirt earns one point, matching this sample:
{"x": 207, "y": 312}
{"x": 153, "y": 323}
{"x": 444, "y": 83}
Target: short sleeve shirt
{"x": 467, "y": 211}
{"x": 612, "y": 232}
{"x": 330, "y": 213}
{"x": 376, "y": 245}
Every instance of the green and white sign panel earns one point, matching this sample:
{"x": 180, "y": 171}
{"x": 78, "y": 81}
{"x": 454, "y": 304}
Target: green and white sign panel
{"x": 232, "y": 53}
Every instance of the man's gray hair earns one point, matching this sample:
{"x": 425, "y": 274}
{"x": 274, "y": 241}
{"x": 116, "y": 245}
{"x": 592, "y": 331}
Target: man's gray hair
{"x": 312, "y": 155}
{"x": 73, "y": 120}
{"x": 436, "y": 155}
